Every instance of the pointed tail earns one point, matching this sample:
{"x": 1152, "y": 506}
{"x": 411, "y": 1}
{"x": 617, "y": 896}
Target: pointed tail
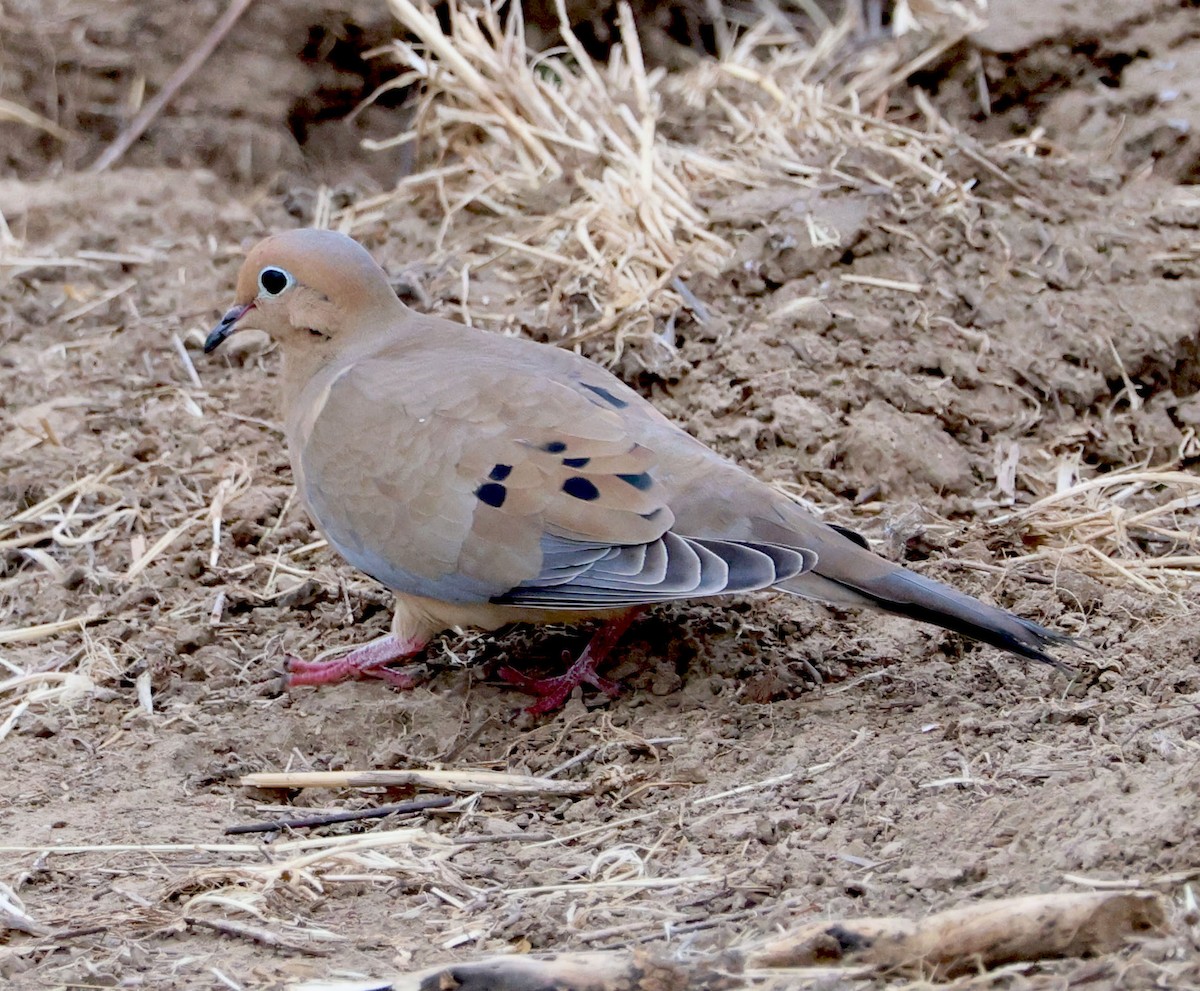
{"x": 895, "y": 589}
{"x": 920, "y": 598}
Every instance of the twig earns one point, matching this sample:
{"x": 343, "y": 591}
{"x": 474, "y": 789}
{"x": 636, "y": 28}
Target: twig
{"x": 23, "y": 115}
{"x": 501, "y": 838}
{"x": 29, "y": 634}
{"x": 879, "y": 283}
{"x": 90, "y": 483}
{"x": 186, "y": 359}
{"x": 307, "y": 822}
{"x": 579, "y": 758}
{"x": 79, "y": 933}
{"x": 155, "y": 104}
{"x": 94, "y": 304}
{"x": 594, "y": 971}
{"x": 484, "y": 782}
{"x": 255, "y": 933}
{"x": 742, "y": 789}
{"x": 961, "y": 940}
{"x": 13, "y": 914}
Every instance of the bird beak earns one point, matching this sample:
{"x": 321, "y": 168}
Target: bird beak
{"x": 226, "y": 327}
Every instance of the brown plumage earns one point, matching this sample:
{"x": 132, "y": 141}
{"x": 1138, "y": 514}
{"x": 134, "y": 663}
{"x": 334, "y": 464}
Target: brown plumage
{"x": 489, "y": 480}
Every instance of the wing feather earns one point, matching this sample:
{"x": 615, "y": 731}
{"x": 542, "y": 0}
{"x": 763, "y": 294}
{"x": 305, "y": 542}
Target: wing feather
{"x": 522, "y": 489}
{"x": 674, "y": 567}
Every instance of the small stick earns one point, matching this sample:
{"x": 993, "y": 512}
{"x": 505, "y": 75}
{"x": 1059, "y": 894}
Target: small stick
{"x": 579, "y": 758}
{"x": 485, "y": 782}
{"x": 502, "y": 838}
{"x": 99, "y": 301}
{"x": 13, "y": 914}
{"x": 255, "y": 933}
{"x": 378, "y": 812}
{"x": 23, "y": 115}
{"x": 741, "y": 789}
{"x": 90, "y": 483}
{"x": 155, "y": 104}
{"x": 29, "y": 634}
{"x": 161, "y": 544}
{"x": 872, "y": 280}
{"x": 983, "y": 934}
{"x": 188, "y": 366}
{"x": 80, "y": 933}
{"x": 586, "y": 971}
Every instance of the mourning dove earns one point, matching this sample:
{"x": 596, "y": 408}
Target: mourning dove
{"x": 488, "y": 480}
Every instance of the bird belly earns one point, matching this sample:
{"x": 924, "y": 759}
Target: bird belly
{"x": 421, "y": 617}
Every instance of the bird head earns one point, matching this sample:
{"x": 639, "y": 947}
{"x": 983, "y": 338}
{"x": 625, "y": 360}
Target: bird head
{"x": 306, "y": 289}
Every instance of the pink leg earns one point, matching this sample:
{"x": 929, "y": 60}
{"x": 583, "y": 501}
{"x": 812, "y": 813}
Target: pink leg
{"x": 552, "y": 692}
{"x": 368, "y": 661}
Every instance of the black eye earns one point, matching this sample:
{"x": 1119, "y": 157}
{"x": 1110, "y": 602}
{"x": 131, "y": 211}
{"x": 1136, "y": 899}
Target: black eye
{"x": 273, "y": 281}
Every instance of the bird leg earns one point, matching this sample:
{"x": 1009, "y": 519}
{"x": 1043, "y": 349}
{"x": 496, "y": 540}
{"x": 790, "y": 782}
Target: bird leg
{"x": 368, "y": 661}
{"x": 552, "y": 693}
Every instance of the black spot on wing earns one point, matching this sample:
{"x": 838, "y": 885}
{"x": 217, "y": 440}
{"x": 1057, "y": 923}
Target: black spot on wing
{"x": 554, "y": 447}
{"x": 641, "y": 481}
{"x": 604, "y": 394}
{"x": 580, "y": 488}
{"x": 858, "y": 538}
{"x": 500, "y": 472}
{"x": 492, "y": 494}
{"x": 576, "y": 462}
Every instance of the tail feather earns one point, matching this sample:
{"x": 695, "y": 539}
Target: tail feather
{"x": 909, "y": 594}
{"x": 920, "y": 598}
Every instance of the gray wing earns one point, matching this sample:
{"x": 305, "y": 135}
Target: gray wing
{"x": 590, "y": 575}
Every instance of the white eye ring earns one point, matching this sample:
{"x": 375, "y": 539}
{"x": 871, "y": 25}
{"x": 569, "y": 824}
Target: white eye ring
{"x": 273, "y": 281}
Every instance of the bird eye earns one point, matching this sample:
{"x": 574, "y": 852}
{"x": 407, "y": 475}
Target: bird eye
{"x": 273, "y": 281}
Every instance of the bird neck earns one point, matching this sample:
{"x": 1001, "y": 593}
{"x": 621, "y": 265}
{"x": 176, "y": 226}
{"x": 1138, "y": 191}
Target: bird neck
{"x": 361, "y": 332}
{"x": 299, "y": 367}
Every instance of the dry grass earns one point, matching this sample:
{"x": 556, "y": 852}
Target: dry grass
{"x": 256, "y": 890}
{"x": 17, "y": 114}
{"x": 601, "y": 204}
{"x": 1138, "y": 527}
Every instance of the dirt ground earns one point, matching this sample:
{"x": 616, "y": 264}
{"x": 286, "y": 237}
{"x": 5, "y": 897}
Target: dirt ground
{"x": 771, "y": 761}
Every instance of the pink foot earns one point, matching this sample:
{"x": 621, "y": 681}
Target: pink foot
{"x": 552, "y": 693}
{"x": 368, "y": 661}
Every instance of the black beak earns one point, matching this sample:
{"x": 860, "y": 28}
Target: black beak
{"x": 226, "y": 327}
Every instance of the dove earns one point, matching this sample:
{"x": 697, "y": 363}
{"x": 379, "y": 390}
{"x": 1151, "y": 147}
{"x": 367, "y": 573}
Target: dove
{"x": 487, "y": 479}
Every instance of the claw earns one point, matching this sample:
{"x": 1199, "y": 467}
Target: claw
{"x": 552, "y": 693}
{"x": 371, "y": 660}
